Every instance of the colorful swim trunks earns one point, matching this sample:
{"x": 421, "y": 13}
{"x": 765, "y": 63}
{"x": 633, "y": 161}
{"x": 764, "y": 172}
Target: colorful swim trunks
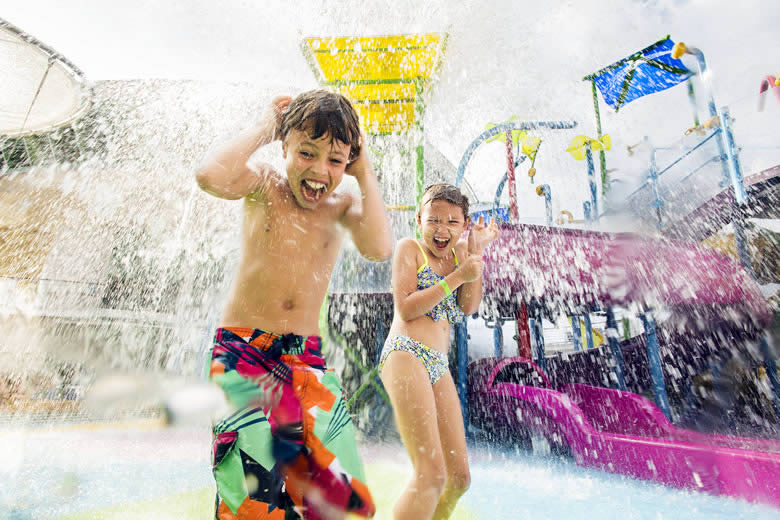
{"x": 288, "y": 448}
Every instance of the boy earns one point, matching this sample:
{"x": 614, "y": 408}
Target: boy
{"x": 289, "y": 447}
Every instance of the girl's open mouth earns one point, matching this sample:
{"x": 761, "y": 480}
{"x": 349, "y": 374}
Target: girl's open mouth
{"x": 440, "y": 244}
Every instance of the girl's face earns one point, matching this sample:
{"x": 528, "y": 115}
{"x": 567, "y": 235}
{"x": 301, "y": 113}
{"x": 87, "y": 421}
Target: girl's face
{"x": 442, "y": 223}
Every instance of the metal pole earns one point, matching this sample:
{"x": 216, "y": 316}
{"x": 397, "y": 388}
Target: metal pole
{"x": 711, "y": 107}
{"x": 614, "y": 347}
{"x": 539, "y": 336}
{"x": 588, "y": 330}
{"x": 656, "y": 368}
{"x": 537, "y": 329}
{"x": 544, "y": 189}
{"x": 510, "y": 176}
{"x": 740, "y": 195}
{"x": 594, "y": 201}
{"x": 692, "y": 99}
{"x": 523, "y": 332}
{"x": 540, "y": 351}
{"x": 498, "y": 340}
{"x": 602, "y": 155}
{"x": 657, "y": 203}
{"x": 462, "y": 350}
{"x": 771, "y": 371}
{"x": 419, "y": 112}
{"x": 576, "y": 332}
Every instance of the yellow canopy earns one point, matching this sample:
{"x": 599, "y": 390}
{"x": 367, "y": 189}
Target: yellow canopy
{"x": 385, "y": 76}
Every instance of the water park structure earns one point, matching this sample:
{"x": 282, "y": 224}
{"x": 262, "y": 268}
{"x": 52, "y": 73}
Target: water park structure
{"x": 619, "y": 407}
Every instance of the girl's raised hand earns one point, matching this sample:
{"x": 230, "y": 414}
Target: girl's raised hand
{"x": 480, "y": 235}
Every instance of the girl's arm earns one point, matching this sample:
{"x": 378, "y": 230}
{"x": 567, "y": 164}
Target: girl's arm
{"x": 411, "y": 303}
{"x": 480, "y": 235}
{"x": 470, "y": 293}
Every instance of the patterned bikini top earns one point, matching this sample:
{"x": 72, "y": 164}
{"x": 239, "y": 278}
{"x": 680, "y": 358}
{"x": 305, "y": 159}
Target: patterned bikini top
{"x": 448, "y": 308}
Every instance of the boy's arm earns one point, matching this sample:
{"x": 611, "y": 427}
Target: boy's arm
{"x": 225, "y": 173}
{"x": 412, "y": 303}
{"x": 367, "y": 219}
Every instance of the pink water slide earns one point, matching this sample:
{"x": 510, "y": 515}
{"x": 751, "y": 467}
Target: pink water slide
{"x": 619, "y": 432}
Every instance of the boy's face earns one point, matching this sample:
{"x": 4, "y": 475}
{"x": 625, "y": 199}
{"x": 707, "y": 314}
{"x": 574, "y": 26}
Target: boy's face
{"x": 442, "y": 223}
{"x": 314, "y": 167}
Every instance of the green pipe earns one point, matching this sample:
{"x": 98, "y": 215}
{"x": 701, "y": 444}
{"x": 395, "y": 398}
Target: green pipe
{"x": 419, "y": 111}
{"x": 602, "y": 155}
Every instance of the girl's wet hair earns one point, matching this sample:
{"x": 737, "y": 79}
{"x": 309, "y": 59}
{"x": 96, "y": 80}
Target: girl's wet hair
{"x": 447, "y": 193}
{"x": 320, "y": 112}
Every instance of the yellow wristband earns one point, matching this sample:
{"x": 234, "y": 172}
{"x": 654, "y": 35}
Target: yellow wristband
{"x": 446, "y": 288}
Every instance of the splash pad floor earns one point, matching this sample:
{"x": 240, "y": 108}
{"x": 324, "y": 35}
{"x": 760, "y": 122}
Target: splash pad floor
{"x": 121, "y": 471}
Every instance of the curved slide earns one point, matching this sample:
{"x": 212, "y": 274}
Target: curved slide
{"x": 619, "y": 432}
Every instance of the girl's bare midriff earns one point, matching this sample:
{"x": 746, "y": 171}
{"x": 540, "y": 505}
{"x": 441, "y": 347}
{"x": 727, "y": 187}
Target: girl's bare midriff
{"x": 433, "y": 334}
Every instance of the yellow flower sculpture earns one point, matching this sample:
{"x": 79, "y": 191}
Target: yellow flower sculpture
{"x": 579, "y": 145}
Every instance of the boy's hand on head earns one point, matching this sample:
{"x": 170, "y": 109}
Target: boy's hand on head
{"x": 362, "y": 163}
{"x": 480, "y": 235}
{"x": 272, "y": 116}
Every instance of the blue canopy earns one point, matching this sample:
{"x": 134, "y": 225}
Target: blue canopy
{"x": 645, "y": 72}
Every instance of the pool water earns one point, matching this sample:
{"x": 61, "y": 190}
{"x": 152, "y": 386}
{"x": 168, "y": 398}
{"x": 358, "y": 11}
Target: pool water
{"x": 132, "y": 473}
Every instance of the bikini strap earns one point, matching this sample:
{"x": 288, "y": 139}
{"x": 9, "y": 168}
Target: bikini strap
{"x": 419, "y": 269}
{"x": 456, "y": 257}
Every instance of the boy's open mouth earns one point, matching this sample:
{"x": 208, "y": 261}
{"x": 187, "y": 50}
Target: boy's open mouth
{"x": 441, "y": 243}
{"x": 312, "y": 191}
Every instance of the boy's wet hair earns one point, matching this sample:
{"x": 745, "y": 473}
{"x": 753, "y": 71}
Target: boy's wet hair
{"x": 320, "y": 112}
{"x": 447, "y": 193}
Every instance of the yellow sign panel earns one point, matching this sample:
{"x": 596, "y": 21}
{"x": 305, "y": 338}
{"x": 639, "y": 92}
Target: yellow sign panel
{"x": 384, "y": 76}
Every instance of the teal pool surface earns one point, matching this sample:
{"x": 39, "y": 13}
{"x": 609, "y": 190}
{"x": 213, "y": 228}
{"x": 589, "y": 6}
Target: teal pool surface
{"x": 49, "y": 474}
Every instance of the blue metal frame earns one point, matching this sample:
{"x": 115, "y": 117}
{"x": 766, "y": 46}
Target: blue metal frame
{"x": 498, "y": 129}
{"x": 653, "y": 177}
{"x": 462, "y": 353}
{"x": 498, "y": 340}
{"x": 614, "y": 347}
{"x": 594, "y": 197}
{"x": 588, "y": 330}
{"x": 710, "y": 106}
{"x": 538, "y": 328}
{"x": 548, "y": 218}
{"x": 576, "y": 332}
{"x": 500, "y": 189}
{"x": 656, "y": 368}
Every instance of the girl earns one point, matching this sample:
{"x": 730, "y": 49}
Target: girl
{"x": 436, "y": 282}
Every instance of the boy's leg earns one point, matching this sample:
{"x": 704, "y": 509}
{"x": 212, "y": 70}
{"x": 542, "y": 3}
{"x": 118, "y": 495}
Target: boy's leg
{"x": 408, "y": 385}
{"x": 453, "y": 445}
{"x": 328, "y": 475}
{"x": 249, "y": 479}
{"x": 305, "y": 437}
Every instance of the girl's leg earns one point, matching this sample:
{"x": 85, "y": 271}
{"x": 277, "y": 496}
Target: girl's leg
{"x": 409, "y": 387}
{"x": 453, "y": 445}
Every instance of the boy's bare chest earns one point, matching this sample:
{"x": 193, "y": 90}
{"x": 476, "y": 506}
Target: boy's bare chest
{"x": 289, "y": 231}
